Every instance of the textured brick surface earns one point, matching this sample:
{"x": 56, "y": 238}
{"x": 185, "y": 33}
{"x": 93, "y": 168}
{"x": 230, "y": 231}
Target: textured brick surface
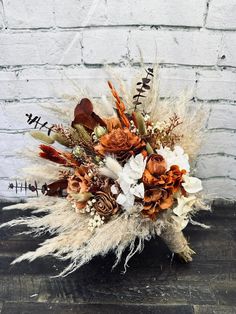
{"x": 1, "y": 16}
{"x": 223, "y": 166}
{"x": 222, "y": 14}
{"x": 39, "y": 48}
{"x": 182, "y": 46}
{"x": 53, "y": 48}
{"x": 80, "y": 13}
{"x": 222, "y": 116}
{"x": 29, "y": 13}
{"x": 215, "y": 85}
{"x": 228, "y": 48}
{"x": 161, "y": 12}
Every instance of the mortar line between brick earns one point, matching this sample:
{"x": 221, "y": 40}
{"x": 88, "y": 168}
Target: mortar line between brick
{"x": 216, "y": 154}
{"x": 135, "y": 65}
{"x": 144, "y": 27}
{"x": 231, "y": 102}
{"x": 218, "y": 177}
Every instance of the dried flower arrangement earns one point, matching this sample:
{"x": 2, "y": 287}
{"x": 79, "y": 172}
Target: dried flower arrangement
{"x": 120, "y": 179}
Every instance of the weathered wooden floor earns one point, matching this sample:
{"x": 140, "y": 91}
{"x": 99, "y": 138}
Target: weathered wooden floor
{"x": 151, "y": 284}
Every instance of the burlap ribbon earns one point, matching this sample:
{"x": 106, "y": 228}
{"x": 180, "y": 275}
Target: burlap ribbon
{"x": 175, "y": 240}
{"x": 177, "y": 243}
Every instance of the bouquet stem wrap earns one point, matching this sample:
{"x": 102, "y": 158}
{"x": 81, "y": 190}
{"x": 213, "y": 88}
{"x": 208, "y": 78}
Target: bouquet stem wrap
{"x": 177, "y": 243}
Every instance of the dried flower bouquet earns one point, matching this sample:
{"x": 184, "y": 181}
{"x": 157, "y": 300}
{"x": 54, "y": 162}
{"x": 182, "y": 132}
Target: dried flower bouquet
{"x": 122, "y": 177}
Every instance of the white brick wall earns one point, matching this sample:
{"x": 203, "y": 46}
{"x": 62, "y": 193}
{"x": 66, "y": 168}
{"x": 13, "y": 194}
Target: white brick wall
{"x": 45, "y": 45}
{"x": 221, "y": 14}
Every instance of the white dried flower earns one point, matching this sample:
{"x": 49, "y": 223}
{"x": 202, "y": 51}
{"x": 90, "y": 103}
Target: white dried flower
{"x": 95, "y": 222}
{"x": 128, "y": 181}
{"x": 159, "y": 125}
{"x": 175, "y": 157}
{"x": 192, "y": 184}
{"x": 112, "y": 168}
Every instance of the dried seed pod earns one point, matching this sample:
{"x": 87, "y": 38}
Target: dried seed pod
{"x": 139, "y": 122}
{"x": 42, "y": 137}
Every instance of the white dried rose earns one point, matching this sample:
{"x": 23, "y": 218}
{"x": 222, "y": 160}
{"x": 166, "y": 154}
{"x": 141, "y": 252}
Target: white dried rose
{"x": 192, "y": 184}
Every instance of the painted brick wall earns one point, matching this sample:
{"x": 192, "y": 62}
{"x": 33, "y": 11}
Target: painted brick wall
{"x": 45, "y": 45}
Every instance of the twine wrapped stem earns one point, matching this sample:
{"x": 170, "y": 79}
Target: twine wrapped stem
{"x": 177, "y": 243}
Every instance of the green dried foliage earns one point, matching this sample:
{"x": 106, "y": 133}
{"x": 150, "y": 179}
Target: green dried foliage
{"x": 42, "y": 137}
{"x": 61, "y": 139}
{"x": 141, "y": 125}
{"x": 82, "y": 134}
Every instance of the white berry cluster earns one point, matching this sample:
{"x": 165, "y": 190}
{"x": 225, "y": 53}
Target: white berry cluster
{"x": 77, "y": 151}
{"x": 146, "y": 117}
{"x": 95, "y": 222}
{"x": 133, "y": 127}
{"x": 159, "y": 126}
{"x": 89, "y": 207}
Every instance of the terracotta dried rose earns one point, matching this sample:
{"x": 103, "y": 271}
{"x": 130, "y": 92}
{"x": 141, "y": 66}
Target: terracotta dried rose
{"x": 174, "y": 178}
{"x": 160, "y": 185}
{"x": 78, "y": 183}
{"x": 155, "y": 201}
{"x": 120, "y": 142}
{"x": 155, "y": 167}
{"x": 106, "y": 204}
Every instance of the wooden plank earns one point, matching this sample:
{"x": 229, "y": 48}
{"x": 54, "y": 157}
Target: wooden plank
{"x": 152, "y": 281}
{"x": 112, "y": 289}
{"x": 18, "y": 245}
{"x": 225, "y": 292}
{"x": 214, "y": 309}
{"x": 39, "y": 308}
{"x": 44, "y": 266}
{"x": 155, "y": 257}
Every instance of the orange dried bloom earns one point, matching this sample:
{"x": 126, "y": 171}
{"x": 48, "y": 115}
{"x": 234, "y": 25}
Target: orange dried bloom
{"x": 80, "y": 182}
{"x": 160, "y": 185}
{"x": 156, "y": 166}
{"x": 155, "y": 201}
{"x": 120, "y": 142}
{"x": 120, "y": 106}
{"x": 112, "y": 123}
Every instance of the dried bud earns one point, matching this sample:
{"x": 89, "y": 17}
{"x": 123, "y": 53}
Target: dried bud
{"x": 139, "y": 122}
{"x": 149, "y": 148}
{"x": 81, "y": 197}
{"x": 61, "y": 139}
{"x": 78, "y": 151}
{"x": 42, "y": 137}
{"x": 82, "y": 133}
{"x": 100, "y": 131}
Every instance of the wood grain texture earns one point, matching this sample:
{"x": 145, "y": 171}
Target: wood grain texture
{"x": 37, "y": 308}
{"x": 152, "y": 284}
